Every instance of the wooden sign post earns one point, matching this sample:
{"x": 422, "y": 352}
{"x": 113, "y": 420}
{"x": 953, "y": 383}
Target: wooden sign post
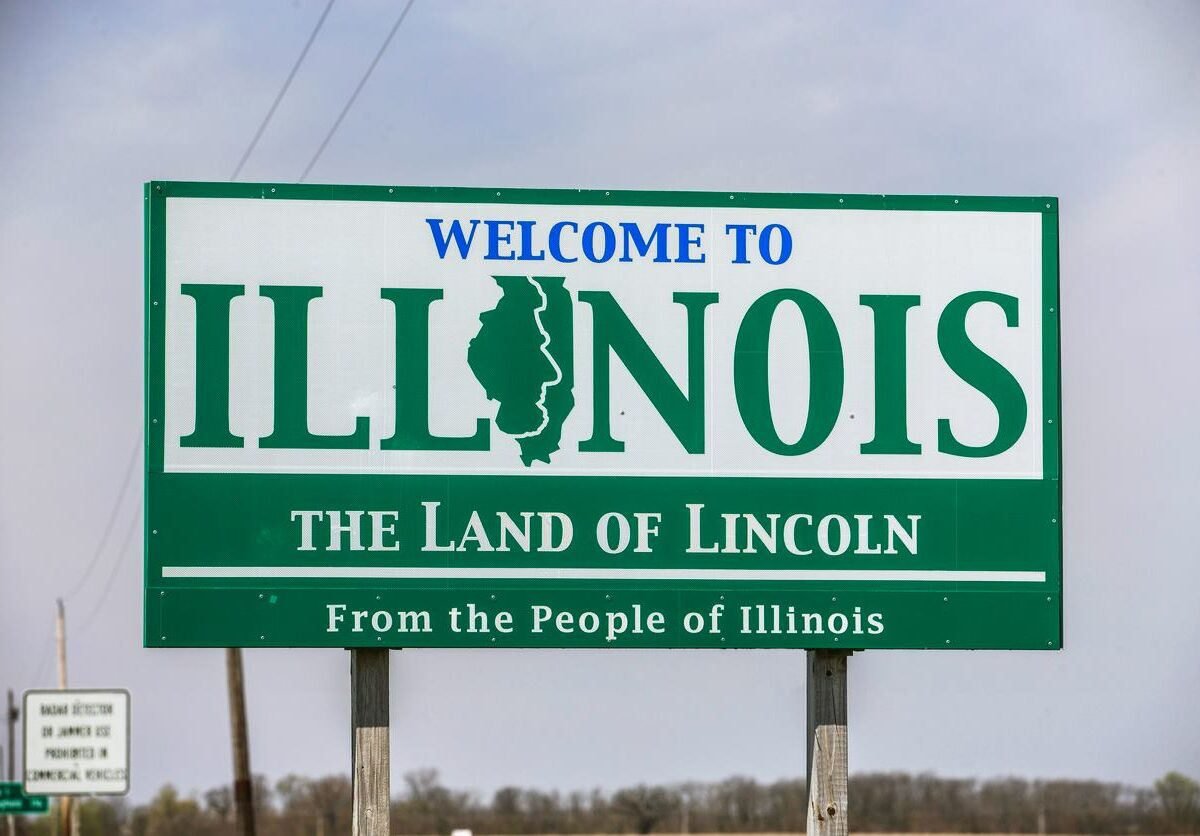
{"x": 827, "y": 764}
{"x": 370, "y": 742}
{"x": 243, "y": 781}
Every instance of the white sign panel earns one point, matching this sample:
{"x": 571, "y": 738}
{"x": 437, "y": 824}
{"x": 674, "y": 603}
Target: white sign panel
{"x": 76, "y": 742}
{"x": 845, "y": 258}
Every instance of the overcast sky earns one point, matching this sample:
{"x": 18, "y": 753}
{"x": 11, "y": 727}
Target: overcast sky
{"x": 1097, "y": 103}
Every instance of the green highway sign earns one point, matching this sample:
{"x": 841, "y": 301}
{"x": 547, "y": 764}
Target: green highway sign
{"x": 14, "y": 802}
{"x": 421, "y": 417}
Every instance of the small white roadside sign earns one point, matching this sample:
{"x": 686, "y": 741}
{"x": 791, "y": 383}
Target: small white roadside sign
{"x": 76, "y": 742}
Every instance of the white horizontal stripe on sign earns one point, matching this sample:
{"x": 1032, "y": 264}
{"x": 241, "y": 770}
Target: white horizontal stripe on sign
{"x": 597, "y": 574}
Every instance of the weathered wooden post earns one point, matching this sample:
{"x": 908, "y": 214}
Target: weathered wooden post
{"x": 827, "y": 765}
{"x": 370, "y": 743}
{"x": 11, "y": 715}
{"x": 243, "y": 781}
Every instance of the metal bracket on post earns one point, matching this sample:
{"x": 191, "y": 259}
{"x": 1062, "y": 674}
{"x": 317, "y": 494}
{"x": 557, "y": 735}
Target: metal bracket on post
{"x": 827, "y": 764}
{"x": 370, "y": 742}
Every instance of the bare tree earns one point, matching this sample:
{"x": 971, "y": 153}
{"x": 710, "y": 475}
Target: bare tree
{"x": 644, "y": 806}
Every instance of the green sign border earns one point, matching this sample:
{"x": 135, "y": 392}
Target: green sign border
{"x": 156, "y": 194}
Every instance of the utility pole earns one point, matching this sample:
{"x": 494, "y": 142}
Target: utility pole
{"x": 11, "y": 716}
{"x": 827, "y": 766}
{"x": 60, "y": 637}
{"x": 11, "y": 826}
{"x": 243, "y": 788}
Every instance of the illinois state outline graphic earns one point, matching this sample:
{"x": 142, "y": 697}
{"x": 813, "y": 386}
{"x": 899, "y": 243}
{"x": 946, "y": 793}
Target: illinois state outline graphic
{"x": 523, "y": 356}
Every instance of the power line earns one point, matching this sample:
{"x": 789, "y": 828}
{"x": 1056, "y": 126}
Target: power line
{"x": 46, "y": 648}
{"x": 112, "y": 518}
{"x": 121, "y": 555}
{"x": 282, "y": 91}
{"x": 99, "y": 551}
{"x": 361, "y": 83}
{"x": 133, "y": 456}
{"x": 237, "y": 170}
{"x": 108, "y": 527}
{"x": 100, "y": 547}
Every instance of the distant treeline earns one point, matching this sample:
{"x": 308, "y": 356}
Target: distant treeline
{"x": 891, "y": 802}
